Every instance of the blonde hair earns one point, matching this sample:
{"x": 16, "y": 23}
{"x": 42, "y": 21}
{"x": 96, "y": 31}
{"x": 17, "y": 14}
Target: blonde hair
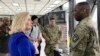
{"x": 19, "y": 21}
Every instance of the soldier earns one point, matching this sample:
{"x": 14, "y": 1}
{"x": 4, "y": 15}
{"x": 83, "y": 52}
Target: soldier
{"x": 84, "y": 41}
{"x": 0, "y": 21}
{"x": 4, "y": 36}
{"x": 51, "y": 34}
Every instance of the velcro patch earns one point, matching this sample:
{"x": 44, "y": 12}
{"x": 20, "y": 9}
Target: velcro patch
{"x": 75, "y": 38}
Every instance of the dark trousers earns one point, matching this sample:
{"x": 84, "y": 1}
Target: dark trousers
{"x": 56, "y": 53}
{"x": 37, "y": 55}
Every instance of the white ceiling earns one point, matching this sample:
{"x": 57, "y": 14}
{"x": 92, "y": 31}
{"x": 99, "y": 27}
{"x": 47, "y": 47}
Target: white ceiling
{"x": 34, "y": 7}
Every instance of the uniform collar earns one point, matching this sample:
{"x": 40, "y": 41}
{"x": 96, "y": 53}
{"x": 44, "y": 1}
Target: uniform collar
{"x": 85, "y": 19}
{"x": 52, "y": 25}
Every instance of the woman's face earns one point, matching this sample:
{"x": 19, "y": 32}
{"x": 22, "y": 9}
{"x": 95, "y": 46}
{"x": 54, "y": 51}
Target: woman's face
{"x": 28, "y": 23}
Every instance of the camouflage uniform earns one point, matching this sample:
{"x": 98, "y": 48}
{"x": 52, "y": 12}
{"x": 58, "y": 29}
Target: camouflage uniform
{"x": 51, "y": 35}
{"x": 85, "y": 41}
{"x": 4, "y": 36}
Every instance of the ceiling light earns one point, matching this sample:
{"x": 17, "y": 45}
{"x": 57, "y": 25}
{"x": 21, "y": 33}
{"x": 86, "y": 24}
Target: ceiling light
{"x": 18, "y": 9}
{"x": 80, "y": 1}
{"x": 57, "y": 2}
{"x": 48, "y": 8}
{"x": 52, "y": 5}
{"x": 15, "y": 4}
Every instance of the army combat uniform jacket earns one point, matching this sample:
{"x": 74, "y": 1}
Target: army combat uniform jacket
{"x": 85, "y": 41}
{"x": 51, "y": 35}
{"x": 4, "y": 36}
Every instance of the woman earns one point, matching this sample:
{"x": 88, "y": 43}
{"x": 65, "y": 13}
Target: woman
{"x": 19, "y": 44}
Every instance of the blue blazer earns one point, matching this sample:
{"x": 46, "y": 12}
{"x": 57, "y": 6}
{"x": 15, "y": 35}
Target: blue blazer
{"x": 20, "y": 45}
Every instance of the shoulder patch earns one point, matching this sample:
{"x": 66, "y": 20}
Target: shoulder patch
{"x": 75, "y": 38}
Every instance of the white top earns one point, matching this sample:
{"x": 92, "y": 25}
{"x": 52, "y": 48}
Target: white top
{"x": 35, "y": 32}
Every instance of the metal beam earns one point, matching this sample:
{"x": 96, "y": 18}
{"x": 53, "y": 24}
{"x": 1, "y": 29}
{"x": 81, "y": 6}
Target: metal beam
{"x": 8, "y": 6}
{"x": 98, "y": 13}
{"x": 71, "y": 17}
{"x": 44, "y": 6}
{"x": 26, "y": 5}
